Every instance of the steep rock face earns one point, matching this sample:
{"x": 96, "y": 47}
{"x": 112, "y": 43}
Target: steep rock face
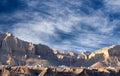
{"x": 66, "y": 58}
{"x": 18, "y": 52}
{"x": 14, "y": 51}
{"x": 105, "y": 57}
{"x": 103, "y": 51}
{"x": 82, "y": 56}
{"x": 115, "y": 51}
{"x": 43, "y": 50}
{"x": 46, "y": 53}
{"x": 13, "y": 47}
{"x": 10, "y": 44}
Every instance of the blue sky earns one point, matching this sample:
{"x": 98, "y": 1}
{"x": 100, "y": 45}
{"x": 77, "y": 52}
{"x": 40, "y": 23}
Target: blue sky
{"x": 72, "y": 25}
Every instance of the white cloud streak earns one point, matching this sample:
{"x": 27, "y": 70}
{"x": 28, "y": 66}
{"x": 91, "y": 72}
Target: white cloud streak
{"x": 112, "y": 5}
{"x": 63, "y": 18}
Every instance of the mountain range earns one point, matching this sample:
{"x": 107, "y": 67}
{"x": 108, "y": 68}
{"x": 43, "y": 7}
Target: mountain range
{"x": 14, "y": 51}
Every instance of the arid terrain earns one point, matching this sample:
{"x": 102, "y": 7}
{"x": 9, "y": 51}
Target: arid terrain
{"x": 45, "y": 71}
{"x": 21, "y": 57}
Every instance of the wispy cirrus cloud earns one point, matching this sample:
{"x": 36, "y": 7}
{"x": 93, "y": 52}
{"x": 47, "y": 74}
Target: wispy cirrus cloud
{"x": 66, "y": 25}
{"x": 112, "y": 6}
{"x": 112, "y": 2}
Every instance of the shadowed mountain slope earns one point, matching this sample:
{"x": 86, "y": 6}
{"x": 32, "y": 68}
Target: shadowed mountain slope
{"x": 14, "y": 51}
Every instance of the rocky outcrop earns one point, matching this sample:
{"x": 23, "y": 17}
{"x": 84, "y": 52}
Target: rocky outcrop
{"x": 17, "y": 52}
{"x": 82, "y": 56}
{"x": 105, "y": 57}
{"x": 15, "y": 48}
{"x": 103, "y": 51}
{"x": 14, "y": 51}
{"x": 43, "y": 71}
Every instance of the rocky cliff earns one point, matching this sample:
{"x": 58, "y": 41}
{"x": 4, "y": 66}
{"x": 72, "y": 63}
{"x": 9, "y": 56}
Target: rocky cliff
{"x": 105, "y": 57}
{"x": 14, "y": 51}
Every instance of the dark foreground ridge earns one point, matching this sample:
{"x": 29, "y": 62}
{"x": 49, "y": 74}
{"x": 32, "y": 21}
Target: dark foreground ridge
{"x": 44, "y": 71}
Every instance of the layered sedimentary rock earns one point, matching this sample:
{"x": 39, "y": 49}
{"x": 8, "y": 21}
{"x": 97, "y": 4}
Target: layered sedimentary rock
{"x": 14, "y": 51}
{"x": 105, "y": 57}
{"x": 18, "y": 52}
